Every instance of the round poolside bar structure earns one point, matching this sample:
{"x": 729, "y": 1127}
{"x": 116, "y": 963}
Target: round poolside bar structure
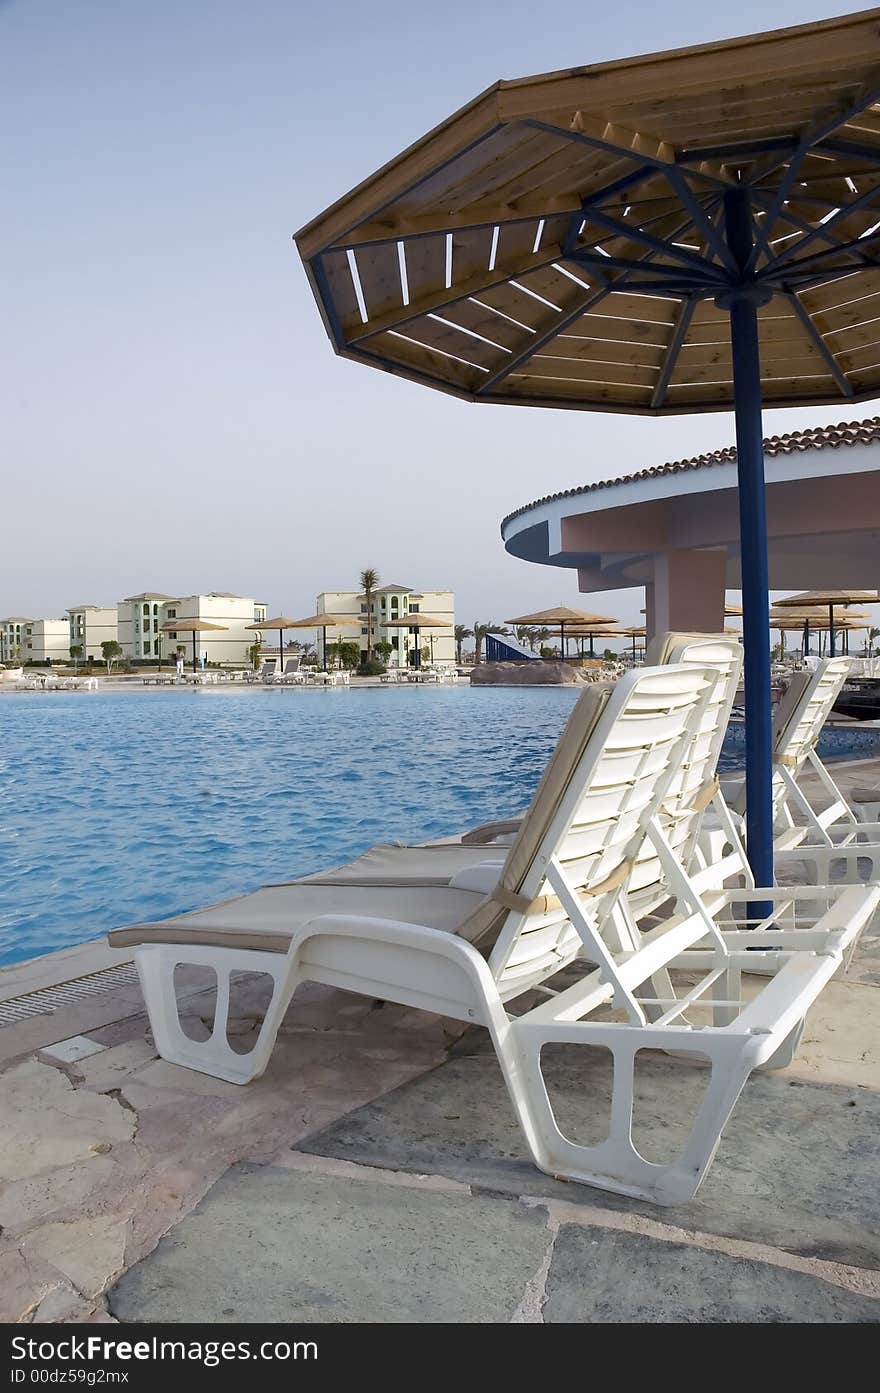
{"x": 674, "y": 528}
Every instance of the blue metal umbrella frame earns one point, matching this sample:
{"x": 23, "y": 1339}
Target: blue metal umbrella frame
{"x": 731, "y": 272}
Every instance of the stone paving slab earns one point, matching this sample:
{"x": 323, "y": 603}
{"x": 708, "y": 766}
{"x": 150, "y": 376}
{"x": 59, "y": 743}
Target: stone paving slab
{"x": 271, "y": 1244}
{"x": 796, "y": 1167}
{"x": 598, "y": 1276}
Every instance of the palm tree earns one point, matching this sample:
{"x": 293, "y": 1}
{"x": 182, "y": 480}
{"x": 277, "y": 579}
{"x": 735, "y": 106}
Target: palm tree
{"x": 460, "y": 633}
{"x": 480, "y": 632}
{"x": 369, "y": 581}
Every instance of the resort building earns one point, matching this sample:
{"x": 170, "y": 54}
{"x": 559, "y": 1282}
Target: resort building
{"x": 394, "y": 602}
{"x": 48, "y": 641}
{"x": 142, "y": 621}
{"x": 673, "y": 529}
{"x": 88, "y": 627}
{"x": 15, "y": 632}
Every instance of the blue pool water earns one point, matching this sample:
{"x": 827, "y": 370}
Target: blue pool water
{"x": 124, "y": 806}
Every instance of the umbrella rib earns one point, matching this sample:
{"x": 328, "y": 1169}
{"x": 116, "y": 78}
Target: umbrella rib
{"x": 673, "y": 351}
{"x": 788, "y": 216}
{"x": 818, "y": 132}
{"x": 700, "y": 218}
{"x": 817, "y": 261}
{"x": 837, "y": 373}
{"x": 656, "y": 244}
{"x": 549, "y": 334}
{"x": 827, "y": 230}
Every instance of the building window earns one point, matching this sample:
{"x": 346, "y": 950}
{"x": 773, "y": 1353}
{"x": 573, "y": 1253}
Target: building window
{"x": 146, "y": 609}
{"x": 173, "y": 636}
{"x": 363, "y": 631}
{"x": 363, "y": 609}
{"x": 413, "y": 609}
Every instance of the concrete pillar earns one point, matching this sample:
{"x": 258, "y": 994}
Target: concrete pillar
{"x": 650, "y": 624}
{"x": 688, "y": 592}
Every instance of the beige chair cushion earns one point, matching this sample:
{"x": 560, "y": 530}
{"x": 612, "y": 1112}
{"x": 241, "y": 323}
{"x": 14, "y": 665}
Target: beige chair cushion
{"x": 408, "y": 865}
{"x": 266, "y": 919}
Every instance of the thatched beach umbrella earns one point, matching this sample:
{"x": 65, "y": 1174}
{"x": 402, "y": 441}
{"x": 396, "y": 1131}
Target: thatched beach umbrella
{"x": 694, "y": 230}
{"x": 594, "y": 631}
{"x": 833, "y": 599}
{"x": 414, "y": 622}
{"x": 279, "y": 624}
{"x": 323, "y": 622}
{"x": 563, "y": 618}
{"x": 785, "y": 616}
{"x": 191, "y": 626}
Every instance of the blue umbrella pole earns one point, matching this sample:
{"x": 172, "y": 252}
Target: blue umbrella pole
{"x": 742, "y": 301}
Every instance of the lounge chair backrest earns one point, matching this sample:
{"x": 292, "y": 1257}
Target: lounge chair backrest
{"x": 587, "y": 822}
{"x": 800, "y": 714}
{"x": 803, "y": 710}
{"x": 694, "y": 785}
{"x": 292, "y": 665}
{"x": 268, "y": 668}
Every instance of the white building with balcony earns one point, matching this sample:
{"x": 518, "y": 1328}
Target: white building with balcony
{"x": 15, "y": 632}
{"x": 394, "y": 602}
{"x": 88, "y": 627}
{"x": 142, "y": 621}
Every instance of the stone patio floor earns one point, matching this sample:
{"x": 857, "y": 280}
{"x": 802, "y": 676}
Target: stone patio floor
{"x": 375, "y": 1172}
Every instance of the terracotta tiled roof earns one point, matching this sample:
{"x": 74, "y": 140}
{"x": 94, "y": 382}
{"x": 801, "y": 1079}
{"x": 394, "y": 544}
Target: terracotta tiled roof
{"x": 817, "y": 438}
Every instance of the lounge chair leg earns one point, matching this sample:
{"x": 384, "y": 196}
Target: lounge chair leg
{"x": 615, "y": 1164}
{"x": 156, "y": 965}
{"x": 786, "y": 1052}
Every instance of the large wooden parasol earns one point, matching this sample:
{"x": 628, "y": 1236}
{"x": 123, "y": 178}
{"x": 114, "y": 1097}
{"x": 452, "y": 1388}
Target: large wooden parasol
{"x": 689, "y": 231}
{"x": 191, "y": 626}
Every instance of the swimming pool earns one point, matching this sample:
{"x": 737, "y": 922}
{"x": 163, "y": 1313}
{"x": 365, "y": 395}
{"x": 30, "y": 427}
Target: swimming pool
{"x": 128, "y": 805}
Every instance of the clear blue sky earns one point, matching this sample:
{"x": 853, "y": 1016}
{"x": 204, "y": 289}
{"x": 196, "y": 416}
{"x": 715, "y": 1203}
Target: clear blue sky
{"x": 173, "y": 417}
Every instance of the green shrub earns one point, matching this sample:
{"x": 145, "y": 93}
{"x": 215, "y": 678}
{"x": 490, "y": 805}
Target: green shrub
{"x": 371, "y": 667}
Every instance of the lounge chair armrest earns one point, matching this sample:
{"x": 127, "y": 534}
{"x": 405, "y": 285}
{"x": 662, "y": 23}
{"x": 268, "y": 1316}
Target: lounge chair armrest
{"x": 481, "y": 836}
{"x": 394, "y": 961}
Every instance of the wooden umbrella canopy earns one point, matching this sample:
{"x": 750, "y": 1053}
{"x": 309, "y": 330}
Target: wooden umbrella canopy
{"x": 687, "y": 231}
{"x": 559, "y": 241}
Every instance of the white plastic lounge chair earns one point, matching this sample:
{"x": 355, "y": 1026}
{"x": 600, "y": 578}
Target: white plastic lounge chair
{"x": 837, "y": 834}
{"x": 266, "y": 672}
{"x": 291, "y": 676}
{"x": 562, "y": 889}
